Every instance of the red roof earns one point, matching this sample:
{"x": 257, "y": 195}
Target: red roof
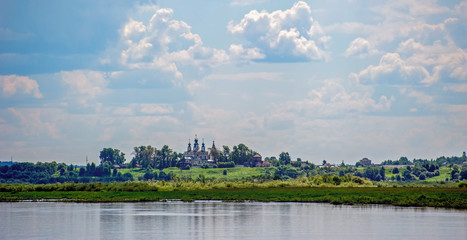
{"x": 257, "y": 155}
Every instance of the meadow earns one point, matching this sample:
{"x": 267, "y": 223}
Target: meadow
{"x": 313, "y": 189}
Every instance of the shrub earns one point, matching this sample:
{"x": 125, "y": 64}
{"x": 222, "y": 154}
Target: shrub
{"x": 462, "y": 184}
{"x": 226, "y": 165}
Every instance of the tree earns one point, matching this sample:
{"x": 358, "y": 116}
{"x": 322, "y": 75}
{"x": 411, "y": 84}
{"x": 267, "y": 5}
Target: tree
{"x": 112, "y": 156}
{"x": 455, "y": 173}
{"x": 284, "y": 158}
{"x": 82, "y": 171}
{"x": 62, "y": 168}
{"x": 166, "y": 157}
{"x": 225, "y": 154}
{"x": 406, "y": 175}
{"x": 422, "y": 176}
{"x": 463, "y": 174}
{"x": 404, "y": 161}
{"x": 127, "y": 177}
{"x": 145, "y": 156}
{"x": 148, "y": 176}
{"x": 395, "y": 170}
{"x": 241, "y": 154}
{"x": 92, "y": 168}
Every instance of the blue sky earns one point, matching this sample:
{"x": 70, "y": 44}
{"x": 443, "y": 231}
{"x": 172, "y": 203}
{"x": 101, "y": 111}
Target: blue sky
{"x": 333, "y": 80}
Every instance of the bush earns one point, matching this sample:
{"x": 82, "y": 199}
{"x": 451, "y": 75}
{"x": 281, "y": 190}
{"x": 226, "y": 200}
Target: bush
{"x": 226, "y": 165}
{"x": 462, "y": 184}
{"x": 148, "y": 176}
{"x": 422, "y": 176}
{"x": 128, "y": 177}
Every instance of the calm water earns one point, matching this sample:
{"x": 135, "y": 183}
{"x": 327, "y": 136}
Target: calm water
{"x": 217, "y": 220}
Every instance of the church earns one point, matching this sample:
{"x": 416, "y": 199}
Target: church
{"x": 198, "y": 155}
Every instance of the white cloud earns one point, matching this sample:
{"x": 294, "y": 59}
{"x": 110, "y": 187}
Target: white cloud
{"x": 445, "y": 59}
{"x": 36, "y": 122}
{"x": 460, "y": 9}
{"x": 243, "y": 3}
{"x": 361, "y": 48}
{"x": 289, "y": 35}
{"x": 270, "y": 76}
{"x": 333, "y": 100}
{"x": 239, "y": 53}
{"x": 156, "y": 108}
{"x": 420, "y": 97}
{"x": 85, "y": 85}
{"x": 167, "y": 45}
{"x": 456, "y": 88}
{"x": 397, "y": 21}
{"x": 13, "y": 84}
{"x": 389, "y": 64}
{"x": 126, "y": 111}
{"x": 133, "y": 28}
{"x": 420, "y": 7}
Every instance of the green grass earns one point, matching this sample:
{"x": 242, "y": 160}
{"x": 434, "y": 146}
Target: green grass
{"x": 233, "y": 174}
{"x": 422, "y": 197}
{"x": 444, "y": 172}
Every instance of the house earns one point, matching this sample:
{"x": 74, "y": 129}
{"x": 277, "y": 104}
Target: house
{"x": 256, "y": 161}
{"x": 118, "y": 166}
{"x": 365, "y": 162}
{"x": 266, "y": 164}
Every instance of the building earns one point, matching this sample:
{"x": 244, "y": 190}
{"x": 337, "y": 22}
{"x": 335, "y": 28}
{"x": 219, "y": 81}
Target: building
{"x": 256, "y": 161}
{"x": 365, "y": 162}
{"x": 266, "y": 164}
{"x": 213, "y": 152}
{"x": 196, "y": 155}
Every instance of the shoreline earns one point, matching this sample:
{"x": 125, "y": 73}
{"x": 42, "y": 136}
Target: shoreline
{"x": 405, "y": 197}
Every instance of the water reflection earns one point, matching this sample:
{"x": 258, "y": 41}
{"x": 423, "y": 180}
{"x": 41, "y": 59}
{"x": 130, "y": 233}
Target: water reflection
{"x": 217, "y": 220}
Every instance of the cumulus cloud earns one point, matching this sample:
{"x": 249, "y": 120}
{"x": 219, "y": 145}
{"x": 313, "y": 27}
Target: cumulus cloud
{"x": 446, "y": 60}
{"x": 333, "y": 100}
{"x": 36, "y": 122}
{"x": 392, "y": 69}
{"x": 13, "y": 84}
{"x": 85, "y": 85}
{"x": 167, "y": 44}
{"x": 398, "y": 21}
{"x": 361, "y": 48}
{"x": 290, "y": 35}
{"x": 239, "y": 53}
{"x": 420, "y": 97}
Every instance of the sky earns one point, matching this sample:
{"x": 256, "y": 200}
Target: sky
{"x": 323, "y": 80}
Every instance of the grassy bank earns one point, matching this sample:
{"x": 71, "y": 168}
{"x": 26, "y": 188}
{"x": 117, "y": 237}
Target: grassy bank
{"x": 134, "y": 192}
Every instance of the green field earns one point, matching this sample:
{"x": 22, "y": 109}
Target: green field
{"x": 233, "y": 174}
{"x": 444, "y": 172}
{"x": 240, "y": 173}
{"x": 400, "y": 196}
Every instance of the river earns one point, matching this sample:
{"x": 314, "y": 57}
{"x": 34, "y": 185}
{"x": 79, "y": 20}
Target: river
{"x": 225, "y": 220}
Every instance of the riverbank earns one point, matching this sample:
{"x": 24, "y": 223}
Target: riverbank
{"x": 397, "y": 196}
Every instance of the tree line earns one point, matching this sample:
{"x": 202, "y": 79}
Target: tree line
{"x": 53, "y": 172}
{"x": 149, "y": 158}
